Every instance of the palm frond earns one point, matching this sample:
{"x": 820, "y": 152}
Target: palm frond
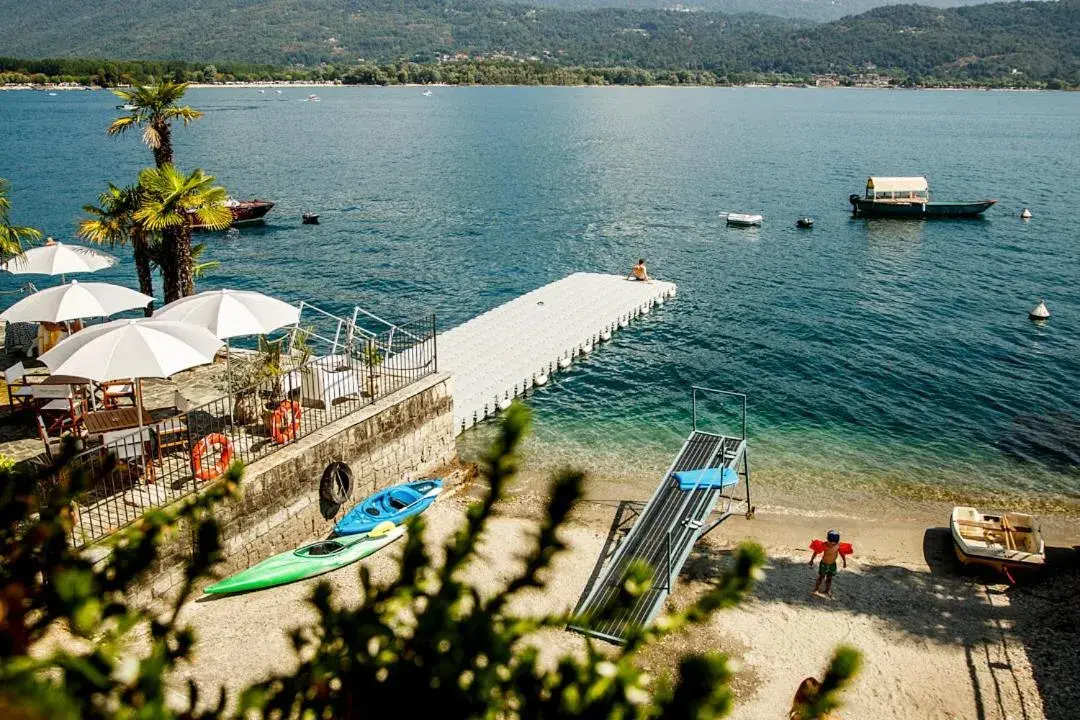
{"x": 185, "y": 113}
{"x": 121, "y": 124}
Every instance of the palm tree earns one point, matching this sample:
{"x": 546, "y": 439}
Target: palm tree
{"x": 171, "y": 202}
{"x": 154, "y": 110}
{"x": 113, "y": 222}
{"x": 12, "y": 236}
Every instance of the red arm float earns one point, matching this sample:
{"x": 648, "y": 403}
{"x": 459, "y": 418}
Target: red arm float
{"x": 819, "y": 546}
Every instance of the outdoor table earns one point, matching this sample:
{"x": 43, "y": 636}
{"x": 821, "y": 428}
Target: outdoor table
{"x": 103, "y": 421}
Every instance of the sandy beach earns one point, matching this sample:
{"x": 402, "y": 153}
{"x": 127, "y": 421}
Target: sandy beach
{"x": 938, "y": 643}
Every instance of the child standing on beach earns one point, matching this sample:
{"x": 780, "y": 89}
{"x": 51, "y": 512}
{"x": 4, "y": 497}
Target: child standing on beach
{"x": 830, "y": 550}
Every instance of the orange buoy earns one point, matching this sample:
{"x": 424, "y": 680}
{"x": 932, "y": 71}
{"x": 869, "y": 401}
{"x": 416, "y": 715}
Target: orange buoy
{"x": 282, "y": 430}
{"x": 202, "y": 448}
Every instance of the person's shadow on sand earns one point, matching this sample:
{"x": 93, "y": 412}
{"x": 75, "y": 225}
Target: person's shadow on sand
{"x": 952, "y": 605}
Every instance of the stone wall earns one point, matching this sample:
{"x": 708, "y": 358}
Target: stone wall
{"x": 409, "y": 433}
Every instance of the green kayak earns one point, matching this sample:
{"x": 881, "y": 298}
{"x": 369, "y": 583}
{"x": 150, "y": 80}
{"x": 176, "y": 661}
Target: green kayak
{"x": 308, "y": 561}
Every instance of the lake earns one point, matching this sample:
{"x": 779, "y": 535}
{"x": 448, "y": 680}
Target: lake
{"x": 872, "y": 351}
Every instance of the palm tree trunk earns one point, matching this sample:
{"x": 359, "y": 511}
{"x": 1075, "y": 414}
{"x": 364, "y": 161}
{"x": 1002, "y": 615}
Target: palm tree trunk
{"x": 142, "y": 269}
{"x": 170, "y": 279}
{"x": 183, "y": 265}
{"x": 163, "y": 153}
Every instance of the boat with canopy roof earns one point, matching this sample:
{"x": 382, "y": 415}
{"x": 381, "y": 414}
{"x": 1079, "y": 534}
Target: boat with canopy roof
{"x": 909, "y": 197}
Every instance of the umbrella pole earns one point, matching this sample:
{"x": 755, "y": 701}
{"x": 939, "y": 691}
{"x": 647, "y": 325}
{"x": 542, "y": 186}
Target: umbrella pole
{"x": 137, "y": 382}
{"x": 228, "y": 378}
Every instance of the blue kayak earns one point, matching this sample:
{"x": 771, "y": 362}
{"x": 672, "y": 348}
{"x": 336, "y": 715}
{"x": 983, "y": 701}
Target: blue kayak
{"x": 396, "y": 504}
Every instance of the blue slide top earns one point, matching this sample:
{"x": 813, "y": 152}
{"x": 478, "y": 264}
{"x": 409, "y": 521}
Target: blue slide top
{"x": 717, "y": 478}
{"x": 396, "y": 504}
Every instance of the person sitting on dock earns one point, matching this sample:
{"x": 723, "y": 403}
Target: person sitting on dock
{"x": 639, "y": 272}
{"x": 830, "y": 550}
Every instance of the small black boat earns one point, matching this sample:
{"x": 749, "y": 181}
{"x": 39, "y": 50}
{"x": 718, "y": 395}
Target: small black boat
{"x": 311, "y": 218}
{"x": 805, "y": 223}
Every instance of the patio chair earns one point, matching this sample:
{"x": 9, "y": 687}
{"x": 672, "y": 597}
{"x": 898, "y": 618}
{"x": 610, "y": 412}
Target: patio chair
{"x": 172, "y": 433}
{"x": 132, "y": 449}
{"x": 52, "y": 445}
{"x": 20, "y": 389}
{"x": 64, "y": 404}
{"x": 112, "y": 391}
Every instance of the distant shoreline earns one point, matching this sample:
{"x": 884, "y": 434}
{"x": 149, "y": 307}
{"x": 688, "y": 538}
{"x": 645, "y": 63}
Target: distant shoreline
{"x": 324, "y": 84}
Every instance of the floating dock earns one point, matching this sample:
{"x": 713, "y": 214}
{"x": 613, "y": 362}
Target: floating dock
{"x": 504, "y": 352}
{"x": 664, "y": 531}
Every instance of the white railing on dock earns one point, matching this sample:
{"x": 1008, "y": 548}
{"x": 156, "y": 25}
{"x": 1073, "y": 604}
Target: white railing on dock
{"x": 503, "y": 352}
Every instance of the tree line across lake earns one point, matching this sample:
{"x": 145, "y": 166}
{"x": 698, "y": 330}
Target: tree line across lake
{"x": 110, "y": 73}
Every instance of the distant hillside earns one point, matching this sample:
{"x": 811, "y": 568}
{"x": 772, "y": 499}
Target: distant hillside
{"x": 815, "y": 10}
{"x": 312, "y": 31}
{"x": 1030, "y": 40}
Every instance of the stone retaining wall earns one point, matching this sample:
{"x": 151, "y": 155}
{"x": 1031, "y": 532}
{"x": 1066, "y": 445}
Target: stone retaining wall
{"x": 408, "y": 433}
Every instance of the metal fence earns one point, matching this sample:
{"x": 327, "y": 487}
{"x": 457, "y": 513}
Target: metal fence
{"x": 172, "y": 457}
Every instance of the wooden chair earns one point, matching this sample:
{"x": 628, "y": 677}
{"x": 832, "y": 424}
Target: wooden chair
{"x": 52, "y": 445}
{"x": 66, "y": 407}
{"x": 20, "y": 389}
{"x": 113, "y": 391}
{"x": 132, "y": 449}
{"x": 172, "y": 433}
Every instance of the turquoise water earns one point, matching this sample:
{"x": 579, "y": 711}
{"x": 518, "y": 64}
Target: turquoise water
{"x": 871, "y": 350}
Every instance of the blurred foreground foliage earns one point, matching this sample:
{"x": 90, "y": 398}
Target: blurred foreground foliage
{"x": 429, "y": 639}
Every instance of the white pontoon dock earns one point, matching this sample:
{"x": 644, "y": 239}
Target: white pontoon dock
{"x": 505, "y": 351}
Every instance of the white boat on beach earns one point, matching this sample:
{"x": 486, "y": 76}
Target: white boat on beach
{"x": 1003, "y": 541}
{"x": 744, "y": 220}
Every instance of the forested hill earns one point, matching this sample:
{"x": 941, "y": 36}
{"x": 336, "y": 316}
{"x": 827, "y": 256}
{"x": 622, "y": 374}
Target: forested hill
{"x": 1036, "y": 41}
{"x": 815, "y": 10}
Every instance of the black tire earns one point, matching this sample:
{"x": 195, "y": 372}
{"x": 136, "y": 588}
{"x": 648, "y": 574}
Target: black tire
{"x": 336, "y": 484}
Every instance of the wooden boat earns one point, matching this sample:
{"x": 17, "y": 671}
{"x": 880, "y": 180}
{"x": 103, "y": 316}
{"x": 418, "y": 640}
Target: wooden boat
{"x": 909, "y": 197}
{"x": 1004, "y": 541}
{"x": 396, "y": 504}
{"x": 245, "y": 212}
{"x": 307, "y": 561}
{"x": 744, "y": 220}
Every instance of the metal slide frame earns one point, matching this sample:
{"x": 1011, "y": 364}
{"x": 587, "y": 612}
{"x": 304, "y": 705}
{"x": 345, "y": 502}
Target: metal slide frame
{"x": 666, "y": 529}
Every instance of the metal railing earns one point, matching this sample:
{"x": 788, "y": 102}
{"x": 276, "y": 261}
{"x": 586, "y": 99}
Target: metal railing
{"x": 172, "y": 457}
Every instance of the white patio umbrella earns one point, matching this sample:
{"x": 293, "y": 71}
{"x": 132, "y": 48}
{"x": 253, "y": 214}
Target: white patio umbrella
{"x": 142, "y": 348}
{"x": 56, "y": 258}
{"x": 136, "y": 349}
{"x": 231, "y": 313}
{"x": 73, "y": 301}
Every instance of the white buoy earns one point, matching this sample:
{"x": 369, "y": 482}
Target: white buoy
{"x": 672, "y": 292}
{"x": 540, "y": 379}
{"x": 605, "y": 334}
{"x": 645, "y": 310}
{"x": 623, "y": 322}
{"x": 1040, "y": 312}
{"x": 1025, "y": 214}
{"x": 586, "y": 349}
{"x": 505, "y": 403}
{"x": 564, "y": 362}
{"x": 660, "y": 301}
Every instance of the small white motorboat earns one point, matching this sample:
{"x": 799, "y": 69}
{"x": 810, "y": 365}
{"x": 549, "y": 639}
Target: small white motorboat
{"x": 426, "y": 93}
{"x": 1004, "y": 541}
{"x": 744, "y": 220}
{"x": 313, "y": 98}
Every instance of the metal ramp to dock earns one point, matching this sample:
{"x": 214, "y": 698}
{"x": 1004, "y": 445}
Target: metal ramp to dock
{"x": 664, "y": 531}
{"x": 505, "y": 351}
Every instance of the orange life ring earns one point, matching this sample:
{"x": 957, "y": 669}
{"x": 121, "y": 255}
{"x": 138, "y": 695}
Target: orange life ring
{"x": 203, "y": 447}
{"x": 283, "y": 431}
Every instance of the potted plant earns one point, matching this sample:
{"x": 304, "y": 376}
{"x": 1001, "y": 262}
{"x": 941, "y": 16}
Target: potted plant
{"x": 372, "y": 359}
